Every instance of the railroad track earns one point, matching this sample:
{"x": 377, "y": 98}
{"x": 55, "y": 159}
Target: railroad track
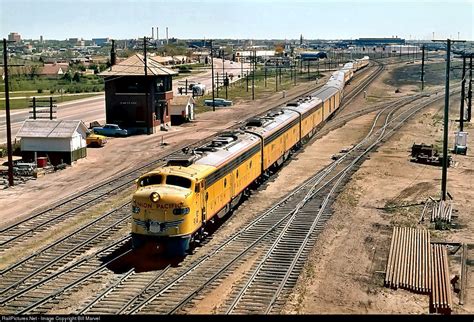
{"x": 68, "y": 249}
{"x": 176, "y": 288}
{"x": 37, "y": 292}
{"x": 70, "y": 207}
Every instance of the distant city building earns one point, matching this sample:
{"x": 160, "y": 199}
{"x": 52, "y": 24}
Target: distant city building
{"x": 245, "y": 55}
{"x": 14, "y": 36}
{"x": 73, "y": 40}
{"x": 41, "y": 39}
{"x": 101, "y": 41}
{"x": 379, "y": 41}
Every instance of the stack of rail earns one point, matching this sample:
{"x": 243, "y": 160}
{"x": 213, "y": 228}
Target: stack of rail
{"x": 416, "y": 264}
{"x": 442, "y": 211}
{"x": 409, "y": 260}
{"x": 441, "y": 300}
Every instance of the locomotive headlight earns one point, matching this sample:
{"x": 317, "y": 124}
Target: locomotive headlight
{"x": 155, "y": 197}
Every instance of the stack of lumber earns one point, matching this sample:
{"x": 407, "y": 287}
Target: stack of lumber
{"x": 442, "y": 211}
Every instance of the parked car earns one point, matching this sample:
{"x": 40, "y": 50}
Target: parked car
{"x": 95, "y": 140}
{"x": 218, "y": 102}
{"x": 110, "y": 130}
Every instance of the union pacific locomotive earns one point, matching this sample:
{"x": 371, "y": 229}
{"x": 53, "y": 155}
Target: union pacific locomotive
{"x": 173, "y": 204}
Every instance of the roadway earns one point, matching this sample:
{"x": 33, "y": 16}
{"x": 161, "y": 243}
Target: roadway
{"x": 93, "y": 108}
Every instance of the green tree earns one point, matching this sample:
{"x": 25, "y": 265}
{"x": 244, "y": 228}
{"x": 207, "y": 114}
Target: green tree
{"x": 76, "y": 77}
{"x": 33, "y": 71}
{"x": 67, "y": 76}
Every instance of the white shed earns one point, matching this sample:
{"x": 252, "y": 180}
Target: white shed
{"x": 57, "y": 139}
{"x": 181, "y": 109}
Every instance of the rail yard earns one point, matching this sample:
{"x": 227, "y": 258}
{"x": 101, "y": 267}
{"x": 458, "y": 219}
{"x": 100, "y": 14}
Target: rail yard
{"x": 309, "y": 192}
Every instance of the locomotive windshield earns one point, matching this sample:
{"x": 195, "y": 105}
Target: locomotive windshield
{"x": 178, "y": 181}
{"x": 150, "y": 180}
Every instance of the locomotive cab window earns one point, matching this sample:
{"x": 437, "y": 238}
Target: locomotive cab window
{"x": 150, "y": 180}
{"x": 178, "y": 181}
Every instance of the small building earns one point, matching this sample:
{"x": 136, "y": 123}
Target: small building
{"x": 62, "y": 141}
{"x": 135, "y": 101}
{"x": 182, "y": 109}
{"x": 54, "y": 70}
{"x": 163, "y": 60}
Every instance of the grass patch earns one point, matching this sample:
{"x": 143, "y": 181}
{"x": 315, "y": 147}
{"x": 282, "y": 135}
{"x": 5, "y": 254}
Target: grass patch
{"x": 91, "y": 83}
{"x": 435, "y": 74}
{"x": 25, "y": 102}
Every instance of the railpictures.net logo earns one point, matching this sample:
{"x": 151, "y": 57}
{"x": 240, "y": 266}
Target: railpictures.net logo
{"x": 42, "y": 318}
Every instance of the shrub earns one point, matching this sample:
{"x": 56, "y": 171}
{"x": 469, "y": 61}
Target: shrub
{"x": 40, "y": 90}
{"x": 51, "y": 91}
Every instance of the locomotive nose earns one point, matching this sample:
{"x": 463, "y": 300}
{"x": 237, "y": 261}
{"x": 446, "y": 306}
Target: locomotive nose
{"x": 158, "y": 211}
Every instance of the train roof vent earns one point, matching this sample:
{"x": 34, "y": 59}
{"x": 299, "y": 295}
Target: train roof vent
{"x": 254, "y": 122}
{"x": 292, "y": 104}
{"x": 205, "y": 148}
{"x": 232, "y": 134}
{"x": 222, "y": 141}
{"x": 275, "y": 113}
{"x": 183, "y": 160}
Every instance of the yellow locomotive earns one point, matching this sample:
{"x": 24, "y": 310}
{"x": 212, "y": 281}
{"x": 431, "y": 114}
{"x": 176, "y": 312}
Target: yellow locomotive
{"x": 173, "y": 204}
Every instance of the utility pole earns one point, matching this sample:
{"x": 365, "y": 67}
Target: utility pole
{"x": 446, "y": 119}
{"x": 265, "y": 76}
{"x": 253, "y": 73}
{"x": 146, "y": 87}
{"x": 212, "y": 79}
{"x": 294, "y": 71}
{"x": 422, "y": 67}
{"x": 276, "y": 77}
{"x": 217, "y": 85}
{"x": 7, "y": 113}
{"x": 463, "y": 89}
{"x": 226, "y": 82}
{"x": 469, "y": 91}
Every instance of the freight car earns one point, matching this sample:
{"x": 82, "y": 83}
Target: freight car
{"x": 173, "y": 204}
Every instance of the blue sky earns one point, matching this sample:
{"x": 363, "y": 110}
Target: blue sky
{"x": 258, "y": 19}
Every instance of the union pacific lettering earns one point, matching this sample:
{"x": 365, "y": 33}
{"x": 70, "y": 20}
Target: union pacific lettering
{"x": 145, "y": 205}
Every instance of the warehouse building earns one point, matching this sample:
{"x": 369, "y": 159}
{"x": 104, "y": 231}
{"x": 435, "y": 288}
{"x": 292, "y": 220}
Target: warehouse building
{"x": 60, "y": 141}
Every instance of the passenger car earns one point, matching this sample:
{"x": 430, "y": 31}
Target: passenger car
{"x": 218, "y": 102}
{"x": 110, "y": 130}
{"x": 95, "y": 140}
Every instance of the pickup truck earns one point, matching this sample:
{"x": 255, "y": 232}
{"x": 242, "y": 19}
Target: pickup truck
{"x": 110, "y": 130}
{"x": 218, "y": 102}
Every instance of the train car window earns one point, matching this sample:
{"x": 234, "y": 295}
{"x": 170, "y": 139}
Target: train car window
{"x": 150, "y": 180}
{"x": 178, "y": 181}
{"x": 207, "y": 196}
{"x": 237, "y": 174}
{"x": 250, "y": 165}
{"x": 225, "y": 183}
